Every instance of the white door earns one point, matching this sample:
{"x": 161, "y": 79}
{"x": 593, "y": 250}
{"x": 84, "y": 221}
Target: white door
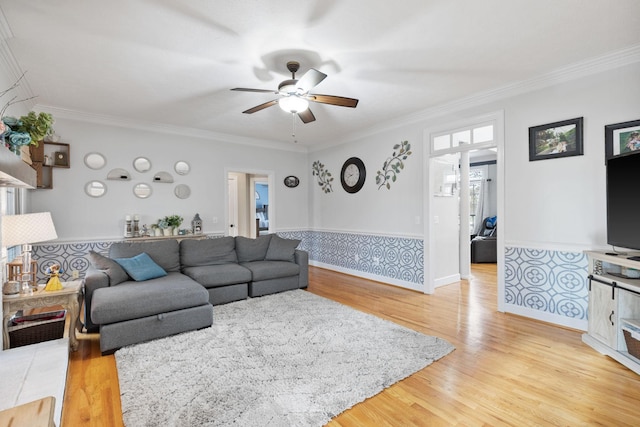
{"x": 233, "y": 206}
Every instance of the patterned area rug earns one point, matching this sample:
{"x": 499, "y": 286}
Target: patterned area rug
{"x": 289, "y": 359}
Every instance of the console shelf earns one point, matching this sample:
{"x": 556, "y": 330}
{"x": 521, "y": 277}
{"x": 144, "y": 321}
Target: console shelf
{"x": 614, "y": 295}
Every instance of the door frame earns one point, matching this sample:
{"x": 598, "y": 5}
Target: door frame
{"x": 272, "y": 194}
{"x": 429, "y": 245}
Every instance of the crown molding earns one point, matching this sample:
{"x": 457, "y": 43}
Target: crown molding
{"x": 609, "y": 61}
{"x": 167, "y": 129}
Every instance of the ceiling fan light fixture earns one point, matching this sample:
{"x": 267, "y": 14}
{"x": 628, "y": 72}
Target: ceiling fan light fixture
{"x": 293, "y": 104}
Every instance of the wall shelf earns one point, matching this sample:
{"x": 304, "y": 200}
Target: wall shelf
{"x": 14, "y": 172}
{"x": 45, "y": 157}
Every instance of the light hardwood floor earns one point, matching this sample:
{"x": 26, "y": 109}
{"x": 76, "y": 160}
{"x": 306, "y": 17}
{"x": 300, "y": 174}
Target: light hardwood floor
{"x": 506, "y": 370}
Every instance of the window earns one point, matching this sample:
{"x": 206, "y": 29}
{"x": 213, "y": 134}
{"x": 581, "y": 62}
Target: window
{"x": 472, "y": 136}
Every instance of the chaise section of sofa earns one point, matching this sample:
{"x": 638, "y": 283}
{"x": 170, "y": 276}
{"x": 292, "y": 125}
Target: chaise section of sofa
{"x": 138, "y": 293}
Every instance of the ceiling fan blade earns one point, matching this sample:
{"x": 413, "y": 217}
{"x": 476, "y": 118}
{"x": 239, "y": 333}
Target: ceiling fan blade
{"x": 340, "y": 101}
{"x": 307, "y": 116}
{"x": 260, "y": 107}
{"x": 244, "y": 89}
{"x": 310, "y": 79}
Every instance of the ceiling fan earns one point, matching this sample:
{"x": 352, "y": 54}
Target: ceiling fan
{"x": 294, "y": 94}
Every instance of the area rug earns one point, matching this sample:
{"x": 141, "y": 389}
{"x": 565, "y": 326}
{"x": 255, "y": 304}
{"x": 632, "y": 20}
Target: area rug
{"x": 289, "y": 359}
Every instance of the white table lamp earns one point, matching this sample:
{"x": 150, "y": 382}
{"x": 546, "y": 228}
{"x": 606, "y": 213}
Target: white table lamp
{"x": 24, "y": 230}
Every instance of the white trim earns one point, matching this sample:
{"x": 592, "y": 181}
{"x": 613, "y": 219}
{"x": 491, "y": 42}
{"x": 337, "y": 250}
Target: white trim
{"x": 556, "y": 319}
{"x": 447, "y": 280}
{"x": 367, "y": 233}
{"x": 551, "y": 246}
{"x": 382, "y": 279}
{"x": 497, "y": 118}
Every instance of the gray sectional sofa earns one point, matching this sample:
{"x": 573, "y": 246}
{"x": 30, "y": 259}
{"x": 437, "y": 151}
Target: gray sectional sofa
{"x": 148, "y": 290}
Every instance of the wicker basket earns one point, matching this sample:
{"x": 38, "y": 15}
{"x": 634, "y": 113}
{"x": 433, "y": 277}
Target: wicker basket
{"x": 633, "y": 344}
{"x": 35, "y": 331}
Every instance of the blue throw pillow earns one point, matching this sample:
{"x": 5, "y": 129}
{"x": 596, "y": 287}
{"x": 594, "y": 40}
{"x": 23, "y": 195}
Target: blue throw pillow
{"x": 141, "y": 267}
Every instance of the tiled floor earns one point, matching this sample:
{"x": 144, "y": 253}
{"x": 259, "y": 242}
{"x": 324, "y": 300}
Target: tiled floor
{"x": 34, "y": 371}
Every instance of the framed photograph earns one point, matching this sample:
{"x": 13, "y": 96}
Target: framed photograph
{"x": 621, "y": 138}
{"x": 291, "y": 181}
{"x": 553, "y": 140}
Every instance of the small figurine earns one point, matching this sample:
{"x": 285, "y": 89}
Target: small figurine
{"x": 54, "y": 283}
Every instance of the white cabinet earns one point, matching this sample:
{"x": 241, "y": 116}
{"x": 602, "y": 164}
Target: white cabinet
{"x": 613, "y": 296}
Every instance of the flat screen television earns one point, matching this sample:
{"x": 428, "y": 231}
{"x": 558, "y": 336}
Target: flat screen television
{"x": 623, "y": 202}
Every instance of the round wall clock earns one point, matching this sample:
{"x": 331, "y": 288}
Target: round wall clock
{"x": 353, "y": 175}
{"x": 291, "y": 181}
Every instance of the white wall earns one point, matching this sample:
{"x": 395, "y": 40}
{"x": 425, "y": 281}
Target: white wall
{"x": 397, "y": 211}
{"x": 561, "y": 202}
{"x": 79, "y": 217}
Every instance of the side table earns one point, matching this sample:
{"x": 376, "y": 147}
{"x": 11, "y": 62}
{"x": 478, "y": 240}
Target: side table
{"x": 70, "y": 298}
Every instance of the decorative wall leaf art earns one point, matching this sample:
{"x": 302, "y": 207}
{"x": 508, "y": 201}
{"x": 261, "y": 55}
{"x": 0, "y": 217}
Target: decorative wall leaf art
{"x": 324, "y": 176}
{"x": 393, "y": 165}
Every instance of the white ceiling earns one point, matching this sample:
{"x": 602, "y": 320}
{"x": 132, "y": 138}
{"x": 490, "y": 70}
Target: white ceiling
{"x": 172, "y": 63}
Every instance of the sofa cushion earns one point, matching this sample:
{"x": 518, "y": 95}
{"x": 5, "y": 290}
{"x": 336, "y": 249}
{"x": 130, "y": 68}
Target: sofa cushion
{"x": 194, "y": 253}
{"x": 111, "y": 268}
{"x": 265, "y": 270}
{"x": 252, "y": 249}
{"x": 211, "y": 276}
{"x": 133, "y": 300}
{"x": 165, "y": 253}
{"x": 281, "y": 249}
{"x": 141, "y": 267}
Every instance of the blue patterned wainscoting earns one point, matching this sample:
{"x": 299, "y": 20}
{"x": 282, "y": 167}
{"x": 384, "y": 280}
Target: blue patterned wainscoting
{"x": 396, "y": 260}
{"x": 552, "y": 282}
{"x": 70, "y": 256}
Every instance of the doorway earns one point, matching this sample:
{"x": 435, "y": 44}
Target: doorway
{"x": 459, "y": 139}
{"x": 250, "y": 203}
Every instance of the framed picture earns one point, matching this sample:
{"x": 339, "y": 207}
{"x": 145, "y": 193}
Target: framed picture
{"x": 621, "y": 138}
{"x": 553, "y": 140}
{"x": 291, "y": 181}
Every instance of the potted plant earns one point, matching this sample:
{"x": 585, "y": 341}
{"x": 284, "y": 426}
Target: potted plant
{"x": 174, "y": 222}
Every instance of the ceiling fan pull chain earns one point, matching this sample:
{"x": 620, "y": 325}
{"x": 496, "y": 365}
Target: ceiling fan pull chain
{"x": 293, "y": 127}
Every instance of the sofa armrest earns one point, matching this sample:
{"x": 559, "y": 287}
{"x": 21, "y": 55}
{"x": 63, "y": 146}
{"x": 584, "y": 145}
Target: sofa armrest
{"x": 302, "y": 259}
{"x": 93, "y": 279}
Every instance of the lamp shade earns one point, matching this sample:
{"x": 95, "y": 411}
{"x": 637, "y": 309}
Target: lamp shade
{"x": 293, "y": 104}
{"x": 27, "y": 228}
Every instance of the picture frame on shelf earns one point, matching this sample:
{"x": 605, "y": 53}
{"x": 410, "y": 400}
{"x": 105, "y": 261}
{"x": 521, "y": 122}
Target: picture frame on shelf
{"x": 555, "y": 140}
{"x": 621, "y": 139}
{"x": 61, "y": 159}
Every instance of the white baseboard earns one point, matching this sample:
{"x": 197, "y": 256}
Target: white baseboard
{"x": 568, "y": 322}
{"x": 447, "y": 280}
